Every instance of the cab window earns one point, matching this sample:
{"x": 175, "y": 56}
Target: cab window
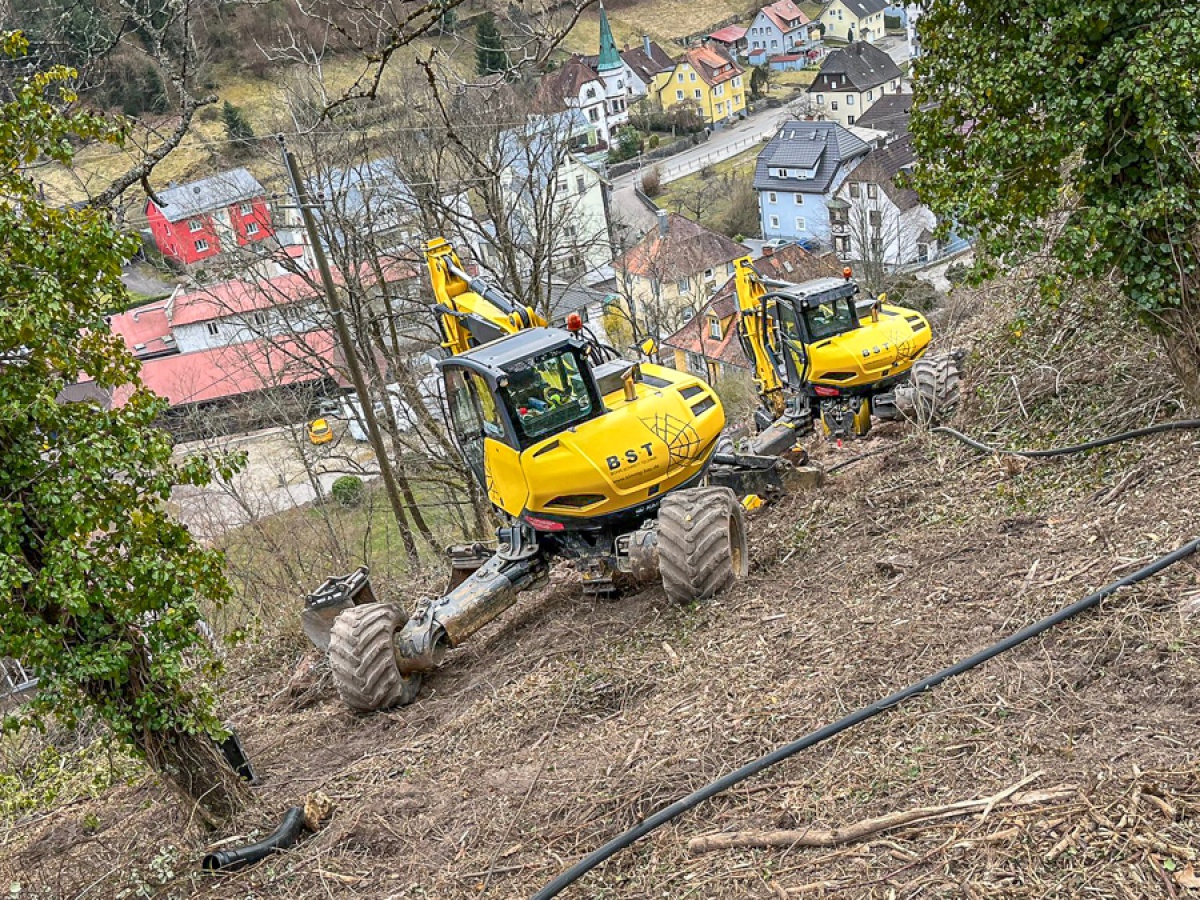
{"x": 548, "y": 393}
{"x": 826, "y": 320}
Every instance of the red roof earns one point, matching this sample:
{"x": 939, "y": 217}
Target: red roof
{"x": 239, "y": 368}
{"x": 783, "y": 12}
{"x": 694, "y": 337}
{"x": 712, "y": 64}
{"x": 730, "y": 34}
{"x": 231, "y": 297}
{"x": 146, "y": 325}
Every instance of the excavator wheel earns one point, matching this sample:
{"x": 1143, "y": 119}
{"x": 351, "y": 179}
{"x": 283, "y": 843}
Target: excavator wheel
{"x": 701, "y": 542}
{"x": 362, "y": 655}
{"x": 936, "y": 392}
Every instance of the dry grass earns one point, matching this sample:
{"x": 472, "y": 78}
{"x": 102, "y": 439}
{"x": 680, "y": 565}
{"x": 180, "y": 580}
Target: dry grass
{"x": 543, "y": 738}
{"x": 662, "y": 20}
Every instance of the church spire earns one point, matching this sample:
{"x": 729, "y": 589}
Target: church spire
{"x": 609, "y": 57}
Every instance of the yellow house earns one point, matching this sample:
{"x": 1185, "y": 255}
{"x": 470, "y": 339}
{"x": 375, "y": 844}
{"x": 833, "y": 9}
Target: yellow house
{"x": 854, "y": 20}
{"x": 706, "y": 78}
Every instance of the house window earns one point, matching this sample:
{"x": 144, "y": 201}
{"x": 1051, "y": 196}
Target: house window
{"x": 679, "y": 77}
{"x": 713, "y": 369}
{"x": 709, "y": 275}
{"x": 688, "y": 314}
{"x": 684, "y": 285}
{"x": 212, "y": 327}
{"x": 720, "y": 108}
{"x": 691, "y": 76}
{"x": 697, "y": 93}
{"x": 841, "y": 243}
{"x": 876, "y": 218}
{"x": 855, "y": 190}
{"x": 877, "y": 245}
{"x": 774, "y": 45}
{"x": 870, "y": 96}
{"x": 849, "y": 99}
{"x": 774, "y": 222}
{"x": 591, "y": 93}
{"x": 580, "y": 184}
{"x": 714, "y": 328}
{"x": 695, "y": 362}
{"x": 849, "y": 120}
{"x": 772, "y": 197}
{"x": 251, "y": 228}
{"x": 801, "y": 225}
{"x": 201, "y": 245}
{"x": 798, "y": 199}
{"x": 820, "y": 99}
{"x": 833, "y": 106}
{"x": 679, "y": 95}
{"x": 194, "y": 225}
{"x": 246, "y": 209}
{"x": 562, "y": 185}
{"x": 259, "y": 318}
{"x": 593, "y": 115}
{"x": 872, "y": 191}
{"x": 922, "y": 252}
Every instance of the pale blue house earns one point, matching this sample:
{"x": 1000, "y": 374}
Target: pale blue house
{"x": 798, "y": 173}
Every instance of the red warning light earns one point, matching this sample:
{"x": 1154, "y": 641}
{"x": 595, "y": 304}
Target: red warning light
{"x": 574, "y": 322}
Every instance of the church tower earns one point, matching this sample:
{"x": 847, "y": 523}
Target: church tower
{"x": 611, "y": 69}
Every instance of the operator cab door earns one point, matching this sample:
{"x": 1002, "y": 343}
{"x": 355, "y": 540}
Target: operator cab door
{"x": 787, "y": 339}
{"x": 475, "y": 415}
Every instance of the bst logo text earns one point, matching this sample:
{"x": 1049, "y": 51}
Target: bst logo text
{"x": 631, "y": 456}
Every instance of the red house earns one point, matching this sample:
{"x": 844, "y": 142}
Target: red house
{"x": 197, "y": 221}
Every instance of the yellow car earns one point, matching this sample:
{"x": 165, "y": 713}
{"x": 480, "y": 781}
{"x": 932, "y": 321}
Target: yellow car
{"x": 319, "y": 431}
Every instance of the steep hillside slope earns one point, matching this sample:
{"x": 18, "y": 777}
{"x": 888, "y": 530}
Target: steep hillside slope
{"x": 575, "y": 719}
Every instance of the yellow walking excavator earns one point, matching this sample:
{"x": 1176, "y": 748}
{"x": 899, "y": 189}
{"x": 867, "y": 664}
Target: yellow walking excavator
{"x": 609, "y": 463}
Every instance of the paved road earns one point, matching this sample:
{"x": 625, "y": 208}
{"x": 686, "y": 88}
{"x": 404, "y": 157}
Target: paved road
{"x": 630, "y": 213}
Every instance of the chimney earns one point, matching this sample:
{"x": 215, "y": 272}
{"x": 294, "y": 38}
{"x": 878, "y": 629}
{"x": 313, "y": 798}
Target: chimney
{"x": 646, "y": 45}
{"x": 664, "y": 225}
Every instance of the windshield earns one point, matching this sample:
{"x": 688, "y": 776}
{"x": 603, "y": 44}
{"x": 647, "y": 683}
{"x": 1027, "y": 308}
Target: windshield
{"x": 829, "y": 319}
{"x": 547, "y": 393}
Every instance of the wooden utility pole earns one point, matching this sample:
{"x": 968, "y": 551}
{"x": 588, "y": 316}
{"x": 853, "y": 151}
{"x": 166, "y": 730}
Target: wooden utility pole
{"x": 349, "y": 351}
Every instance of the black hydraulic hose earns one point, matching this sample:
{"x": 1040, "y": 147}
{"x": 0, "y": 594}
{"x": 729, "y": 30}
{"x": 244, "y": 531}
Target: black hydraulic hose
{"x": 1180, "y": 425}
{"x": 279, "y": 839}
{"x": 778, "y": 755}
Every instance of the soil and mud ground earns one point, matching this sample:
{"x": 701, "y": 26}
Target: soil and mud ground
{"x": 573, "y": 719}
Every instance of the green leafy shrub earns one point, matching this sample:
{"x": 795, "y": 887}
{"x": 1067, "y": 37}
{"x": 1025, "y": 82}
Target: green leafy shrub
{"x": 348, "y": 491}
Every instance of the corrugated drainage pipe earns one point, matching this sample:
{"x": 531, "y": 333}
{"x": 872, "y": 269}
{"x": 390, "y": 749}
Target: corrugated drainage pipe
{"x": 279, "y": 839}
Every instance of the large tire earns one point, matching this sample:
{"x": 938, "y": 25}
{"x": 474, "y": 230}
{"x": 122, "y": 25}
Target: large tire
{"x": 362, "y": 655}
{"x": 701, "y": 542}
{"x": 936, "y": 388}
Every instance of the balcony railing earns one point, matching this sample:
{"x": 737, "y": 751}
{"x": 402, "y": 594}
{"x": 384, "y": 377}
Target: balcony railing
{"x": 15, "y": 679}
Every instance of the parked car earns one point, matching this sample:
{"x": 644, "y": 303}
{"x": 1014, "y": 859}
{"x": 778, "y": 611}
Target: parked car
{"x": 319, "y": 431}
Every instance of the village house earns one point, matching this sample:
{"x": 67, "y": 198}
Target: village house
{"x": 798, "y": 173}
{"x": 851, "y": 80}
{"x": 195, "y": 222}
{"x": 644, "y": 65}
{"x": 780, "y": 28}
{"x": 854, "y": 20}
{"x": 669, "y": 274}
{"x": 707, "y": 79}
{"x": 876, "y": 220}
{"x": 732, "y": 39}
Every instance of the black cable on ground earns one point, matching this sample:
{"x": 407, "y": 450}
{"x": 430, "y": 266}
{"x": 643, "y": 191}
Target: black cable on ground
{"x": 1181, "y": 425}
{"x": 778, "y": 755}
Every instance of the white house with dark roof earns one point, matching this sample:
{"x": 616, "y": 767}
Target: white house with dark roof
{"x": 851, "y": 80}
{"x": 876, "y": 217}
{"x": 854, "y": 20}
{"x": 798, "y": 173}
{"x": 644, "y": 65}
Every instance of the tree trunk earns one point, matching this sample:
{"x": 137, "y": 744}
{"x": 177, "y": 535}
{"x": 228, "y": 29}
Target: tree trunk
{"x": 194, "y": 769}
{"x": 1181, "y": 339}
